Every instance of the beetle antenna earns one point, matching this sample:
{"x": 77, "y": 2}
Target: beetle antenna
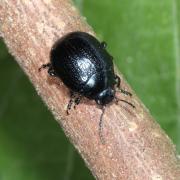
{"x": 101, "y": 125}
{"x": 125, "y": 102}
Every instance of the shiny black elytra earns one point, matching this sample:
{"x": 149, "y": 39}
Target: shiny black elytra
{"x": 86, "y": 68}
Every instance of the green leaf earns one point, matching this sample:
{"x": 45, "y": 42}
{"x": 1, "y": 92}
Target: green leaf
{"x": 144, "y": 38}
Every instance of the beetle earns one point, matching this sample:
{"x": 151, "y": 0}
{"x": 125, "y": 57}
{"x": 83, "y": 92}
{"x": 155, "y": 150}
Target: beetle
{"x": 86, "y": 68}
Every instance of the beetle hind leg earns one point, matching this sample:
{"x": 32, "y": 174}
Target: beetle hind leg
{"x": 72, "y": 96}
{"x": 69, "y": 106}
{"x": 118, "y": 84}
{"x": 77, "y": 101}
{"x": 74, "y": 99}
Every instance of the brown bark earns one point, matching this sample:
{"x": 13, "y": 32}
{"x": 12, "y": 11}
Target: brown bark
{"x": 135, "y": 146}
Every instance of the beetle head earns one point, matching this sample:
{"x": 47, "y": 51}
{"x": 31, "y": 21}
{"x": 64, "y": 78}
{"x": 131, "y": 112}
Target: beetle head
{"x": 105, "y": 96}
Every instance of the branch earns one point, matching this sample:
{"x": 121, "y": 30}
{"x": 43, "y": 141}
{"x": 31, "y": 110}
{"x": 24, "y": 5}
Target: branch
{"x": 135, "y": 146}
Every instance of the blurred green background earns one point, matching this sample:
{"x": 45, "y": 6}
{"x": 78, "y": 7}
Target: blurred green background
{"x": 144, "y": 38}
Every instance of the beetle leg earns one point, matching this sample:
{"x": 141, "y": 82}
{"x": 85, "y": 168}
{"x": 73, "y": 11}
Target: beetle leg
{"x": 103, "y": 45}
{"x": 69, "y": 106}
{"x": 118, "y": 83}
{"x": 70, "y": 102}
{"x": 125, "y": 92}
{"x": 77, "y": 101}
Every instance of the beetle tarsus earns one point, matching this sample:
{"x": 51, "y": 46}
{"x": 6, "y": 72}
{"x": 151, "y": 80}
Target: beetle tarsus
{"x": 118, "y": 84}
{"x": 69, "y": 106}
{"x": 125, "y": 92}
{"x": 77, "y": 101}
{"x": 73, "y": 99}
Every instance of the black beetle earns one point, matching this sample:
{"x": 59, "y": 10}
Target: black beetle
{"x": 86, "y": 68}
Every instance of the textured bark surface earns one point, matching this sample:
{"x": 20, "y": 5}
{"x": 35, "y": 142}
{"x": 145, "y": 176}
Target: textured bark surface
{"x": 135, "y": 146}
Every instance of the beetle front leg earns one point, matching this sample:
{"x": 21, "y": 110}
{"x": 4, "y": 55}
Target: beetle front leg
{"x": 118, "y": 83}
